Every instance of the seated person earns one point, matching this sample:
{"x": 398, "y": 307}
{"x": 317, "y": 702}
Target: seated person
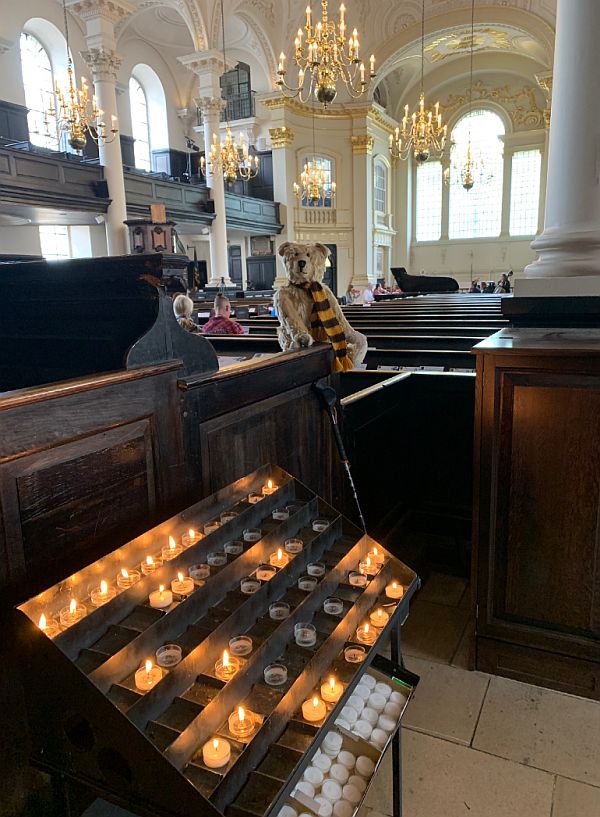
{"x": 351, "y": 294}
{"x": 221, "y": 323}
{"x": 183, "y": 308}
{"x": 367, "y": 296}
{"x": 380, "y": 289}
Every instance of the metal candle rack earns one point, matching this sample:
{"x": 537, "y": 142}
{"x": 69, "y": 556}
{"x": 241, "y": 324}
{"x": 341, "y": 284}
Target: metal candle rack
{"x": 143, "y": 751}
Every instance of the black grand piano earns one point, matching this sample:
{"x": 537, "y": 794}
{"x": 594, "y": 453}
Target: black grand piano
{"x": 422, "y": 283}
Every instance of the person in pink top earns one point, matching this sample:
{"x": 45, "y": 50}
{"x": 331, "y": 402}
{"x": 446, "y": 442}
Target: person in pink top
{"x": 221, "y": 322}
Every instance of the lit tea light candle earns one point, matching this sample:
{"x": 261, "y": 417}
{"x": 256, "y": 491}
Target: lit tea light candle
{"x": 161, "y": 598}
{"x": 265, "y": 572}
{"x": 182, "y": 585}
{"x": 269, "y": 488}
{"x": 150, "y": 565}
{"x": 241, "y": 723}
{"x": 379, "y": 618}
{"x": 102, "y": 594}
{"x": 376, "y": 557}
{"x": 216, "y": 753}
{"x": 357, "y": 579}
{"x": 49, "y": 626}
{"x": 190, "y": 538}
{"x": 127, "y": 578}
{"x": 226, "y": 667}
{"x": 279, "y": 559}
{"x": 72, "y": 614}
{"x": 171, "y": 550}
{"x": 331, "y": 690}
{"x": 394, "y": 590}
{"x": 366, "y": 567}
{"x": 147, "y": 676}
{"x": 366, "y": 634}
{"x": 314, "y": 710}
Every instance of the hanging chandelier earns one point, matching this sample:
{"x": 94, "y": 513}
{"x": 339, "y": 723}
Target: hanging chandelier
{"x": 422, "y": 134}
{"x": 325, "y": 58}
{"x": 314, "y": 187}
{"x": 75, "y": 114}
{"x": 469, "y": 169}
{"x": 233, "y": 159}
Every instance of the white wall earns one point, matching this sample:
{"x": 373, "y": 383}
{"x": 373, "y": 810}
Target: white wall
{"x": 25, "y": 240}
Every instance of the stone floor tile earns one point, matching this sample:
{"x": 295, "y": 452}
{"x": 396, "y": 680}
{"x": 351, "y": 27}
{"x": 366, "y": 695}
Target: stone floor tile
{"x": 433, "y": 631}
{"x": 461, "y": 656}
{"x": 447, "y": 701}
{"x": 444, "y": 779}
{"x": 572, "y": 799}
{"x": 441, "y": 588}
{"x": 541, "y": 728}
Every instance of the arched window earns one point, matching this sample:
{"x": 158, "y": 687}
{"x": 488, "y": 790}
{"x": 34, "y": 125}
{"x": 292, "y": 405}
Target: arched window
{"x": 477, "y": 213}
{"x": 38, "y": 83}
{"x": 429, "y": 201}
{"x": 327, "y": 168}
{"x": 139, "y": 124}
{"x": 380, "y": 185}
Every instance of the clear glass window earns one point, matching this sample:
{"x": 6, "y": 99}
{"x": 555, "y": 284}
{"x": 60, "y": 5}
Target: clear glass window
{"x": 326, "y": 167}
{"x": 525, "y": 192}
{"x": 38, "y": 83}
{"x": 139, "y": 125}
{"x": 429, "y": 201}
{"x": 381, "y": 187}
{"x": 54, "y": 241}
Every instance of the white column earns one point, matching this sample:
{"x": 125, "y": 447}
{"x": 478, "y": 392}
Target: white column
{"x": 284, "y": 176}
{"x": 569, "y": 247}
{"x": 362, "y": 168}
{"x": 208, "y": 67}
{"x": 100, "y": 18}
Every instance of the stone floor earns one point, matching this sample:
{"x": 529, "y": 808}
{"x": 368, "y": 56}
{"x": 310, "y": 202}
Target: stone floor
{"x": 482, "y": 746}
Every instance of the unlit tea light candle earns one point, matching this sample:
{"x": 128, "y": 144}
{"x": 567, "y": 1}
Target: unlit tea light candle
{"x": 293, "y": 546}
{"x": 216, "y": 753}
{"x": 127, "y": 578}
{"x": 315, "y": 569}
{"x": 333, "y": 606}
{"x": 355, "y": 655}
{"x": 280, "y": 514}
{"x": 254, "y": 498}
{"x": 314, "y": 709}
{"x": 102, "y": 594}
{"x": 211, "y": 527}
{"x": 275, "y": 674}
{"x": 240, "y": 645}
{"x": 49, "y": 626}
{"x": 307, "y": 583}
{"x": 161, "y": 598}
{"x": 357, "y": 579}
{"x": 182, "y": 585}
{"x": 228, "y": 516}
{"x": 265, "y": 572}
{"x": 169, "y": 655}
{"x": 394, "y": 590}
{"x": 249, "y": 585}
{"x": 331, "y": 690}
{"x": 217, "y": 558}
{"x": 279, "y": 610}
{"x": 171, "y": 550}
{"x": 319, "y": 525}
{"x": 72, "y": 614}
{"x": 234, "y": 547}
{"x": 305, "y": 634}
{"x": 252, "y": 535}
{"x": 199, "y": 573}
{"x": 147, "y": 676}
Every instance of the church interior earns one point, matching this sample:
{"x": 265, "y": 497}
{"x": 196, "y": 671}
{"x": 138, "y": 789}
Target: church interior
{"x": 299, "y": 408}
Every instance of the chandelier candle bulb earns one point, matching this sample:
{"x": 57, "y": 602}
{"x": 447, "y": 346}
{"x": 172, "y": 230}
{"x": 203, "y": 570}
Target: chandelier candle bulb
{"x": 161, "y": 598}
{"x": 171, "y": 550}
{"x": 216, "y": 753}
{"x": 147, "y": 676}
{"x": 241, "y": 723}
{"x": 72, "y": 614}
{"x": 331, "y": 690}
{"x": 49, "y": 626}
{"x": 379, "y": 618}
{"x": 279, "y": 559}
{"x": 394, "y": 590}
{"x": 127, "y": 578}
{"x": 314, "y": 710}
{"x": 182, "y": 585}
{"x": 150, "y": 565}
{"x": 226, "y": 667}
{"x": 102, "y": 594}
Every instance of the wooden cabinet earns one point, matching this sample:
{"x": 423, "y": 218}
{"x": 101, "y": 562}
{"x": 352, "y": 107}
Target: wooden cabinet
{"x": 537, "y": 501}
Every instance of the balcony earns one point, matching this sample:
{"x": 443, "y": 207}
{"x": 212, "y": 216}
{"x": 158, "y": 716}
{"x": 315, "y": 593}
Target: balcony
{"x": 239, "y": 106}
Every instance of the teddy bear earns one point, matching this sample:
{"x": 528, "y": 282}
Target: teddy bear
{"x": 308, "y": 311}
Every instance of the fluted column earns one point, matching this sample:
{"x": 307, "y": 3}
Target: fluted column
{"x": 100, "y": 18}
{"x": 569, "y": 248}
{"x": 208, "y": 67}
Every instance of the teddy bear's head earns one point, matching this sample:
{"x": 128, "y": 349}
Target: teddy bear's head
{"x": 304, "y": 262}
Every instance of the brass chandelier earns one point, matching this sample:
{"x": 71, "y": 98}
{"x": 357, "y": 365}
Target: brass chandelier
{"x": 422, "y": 134}
{"x": 229, "y": 157}
{"x": 74, "y": 114}
{"x": 325, "y": 58}
{"x": 314, "y": 187}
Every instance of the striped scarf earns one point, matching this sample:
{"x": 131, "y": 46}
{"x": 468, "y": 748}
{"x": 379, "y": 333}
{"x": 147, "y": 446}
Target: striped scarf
{"x": 325, "y": 326}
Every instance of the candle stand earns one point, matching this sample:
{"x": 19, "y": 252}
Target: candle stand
{"x": 150, "y": 751}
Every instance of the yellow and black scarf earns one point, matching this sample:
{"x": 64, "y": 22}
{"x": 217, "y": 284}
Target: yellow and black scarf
{"x": 325, "y": 326}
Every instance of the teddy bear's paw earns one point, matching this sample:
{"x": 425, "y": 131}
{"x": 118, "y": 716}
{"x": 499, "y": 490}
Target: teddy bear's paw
{"x": 302, "y": 341}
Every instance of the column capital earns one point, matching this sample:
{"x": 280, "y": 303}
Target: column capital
{"x": 210, "y": 105}
{"x": 111, "y": 10}
{"x": 544, "y": 80}
{"x": 281, "y": 137}
{"x": 363, "y": 144}
{"x": 104, "y": 63}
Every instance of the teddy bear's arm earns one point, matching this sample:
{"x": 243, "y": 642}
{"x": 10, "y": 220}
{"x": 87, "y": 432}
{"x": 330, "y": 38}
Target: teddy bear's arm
{"x": 289, "y": 317}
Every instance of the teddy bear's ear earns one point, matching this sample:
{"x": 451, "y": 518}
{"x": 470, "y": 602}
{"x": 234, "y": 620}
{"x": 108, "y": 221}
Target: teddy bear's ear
{"x": 325, "y": 250}
{"x": 284, "y": 248}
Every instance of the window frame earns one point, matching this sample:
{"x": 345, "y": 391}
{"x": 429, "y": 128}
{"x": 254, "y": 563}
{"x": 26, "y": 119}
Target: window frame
{"x": 67, "y": 236}
{"x": 307, "y": 158}
{"x": 140, "y": 88}
{"x": 39, "y": 137}
{"x": 434, "y": 163}
{"x": 379, "y": 162}
{"x": 536, "y": 211}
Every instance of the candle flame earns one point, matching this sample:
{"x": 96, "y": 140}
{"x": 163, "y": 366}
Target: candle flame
{"x": 368, "y": 561}
{"x": 380, "y": 612}
{"x": 241, "y": 714}
{"x": 279, "y": 554}
{"x": 225, "y": 658}
{"x": 215, "y": 744}
{"x": 315, "y": 701}
{"x": 172, "y": 544}
{"x": 161, "y": 589}
{"x": 149, "y": 561}
{"x": 375, "y": 551}
{"x": 148, "y": 666}
{"x": 124, "y": 573}
{"x": 366, "y": 628}
{"x": 180, "y": 576}
{"x": 103, "y": 587}
{"x": 332, "y": 683}
{"x": 192, "y": 535}
{"x": 42, "y": 623}
{"x": 72, "y": 606}
{"x": 394, "y": 585}
{"x": 270, "y": 484}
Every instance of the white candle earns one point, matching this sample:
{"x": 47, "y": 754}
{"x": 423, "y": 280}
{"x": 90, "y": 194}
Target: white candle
{"x": 147, "y": 676}
{"x": 102, "y": 594}
{"x": 394, "y": 590}
{"x": 216, "y": 753}
{"x": 182, "y": 585}
{"x": 376, "y": 702}
{"x": 161, "y": 598}
{"x": 314, "y": 710}
{"x": 331, "y": 690}
{"x": 379, "y": 618}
